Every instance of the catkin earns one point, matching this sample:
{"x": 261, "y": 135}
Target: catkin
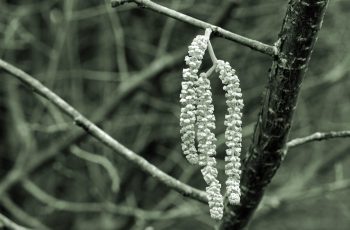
{"x": 188, "y": 97}
{"x": 207, "y": 147}
{"x": 233, "y": 133}
{"x": 197, "y": 120}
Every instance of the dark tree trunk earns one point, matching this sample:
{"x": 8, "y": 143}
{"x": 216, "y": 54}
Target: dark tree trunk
{"x": 296, "y": 41}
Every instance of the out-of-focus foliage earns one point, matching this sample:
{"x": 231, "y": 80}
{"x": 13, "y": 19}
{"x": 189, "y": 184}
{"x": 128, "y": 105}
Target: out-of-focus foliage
{"x": 84, "y": 51}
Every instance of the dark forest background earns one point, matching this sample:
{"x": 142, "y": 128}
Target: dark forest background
{"x": 91, "y": 54}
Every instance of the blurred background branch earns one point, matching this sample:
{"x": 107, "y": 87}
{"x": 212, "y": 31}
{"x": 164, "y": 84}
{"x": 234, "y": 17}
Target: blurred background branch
{"x": 20, "y": 214}
{"x": 103, "y": 161}
{"x": 100, "y": 135}
{"x": 76, "y": 43}
{"x": 9, "y": 224}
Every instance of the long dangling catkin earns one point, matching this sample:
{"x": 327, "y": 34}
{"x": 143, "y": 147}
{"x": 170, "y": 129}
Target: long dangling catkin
{"x": 206, "y": 146}
{"x": 188, "y": 97}
{"x": 233, "y": 134}
{"x": 197, "y": 119}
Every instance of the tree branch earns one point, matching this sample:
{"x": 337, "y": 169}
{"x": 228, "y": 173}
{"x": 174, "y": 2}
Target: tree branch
{"x": 98, "y": 117}
{"x": 79, "y": 207}
{"x": 167, "y": 31}
{"x": 101, "y": 160}
{"x": 154, "y": 69}
{"x": 119, "y": 37}
{"x": 296, "y": 41}
{"x": 9, "y": 224}
{"x": 318, "y": 136}
{"x": 20, "y": 214}
{"x": 275, "y": 203}
{"x": 253, "y": 44}
{"x": 103, "y": 137}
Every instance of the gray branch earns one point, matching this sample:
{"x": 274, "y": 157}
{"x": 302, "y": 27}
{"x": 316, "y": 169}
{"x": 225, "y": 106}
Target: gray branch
{"x": 9, "y": 224}
{"x": 276, "y": 203}
{"x": 100, "y": 135}
{"x": 253, "y": 44}
{"x": 318, "y": 136}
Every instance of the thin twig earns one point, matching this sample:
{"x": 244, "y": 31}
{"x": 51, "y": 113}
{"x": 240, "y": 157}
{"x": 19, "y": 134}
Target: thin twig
{"x": 101, "y": 160}
{"x": 319, "y": 191}
{"x": 253, "y": 44}
{"x": 98, "y": 117}
{"x": 6, "y": 223}
{"x": 207, "y": 33}
{"x": 21, "y": 215}
{"x": 318, "y": 136}
{"x": 79, "y": 207}
{"x": 102, "y": 136}
{"x": 119, "y": 37}
{"x": 167, "y": 31}
{"x": 24, "y": 136}
{"x": 212, "y": 53}
{"x": 211, "y": 70}
{"x": 275, "y": 203}
{"x": 298, "y": 184}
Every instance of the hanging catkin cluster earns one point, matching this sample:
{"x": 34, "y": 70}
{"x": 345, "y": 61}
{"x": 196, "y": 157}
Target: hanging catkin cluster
{"x": 197, "y": 120}
{"x": 188, "y": 97}
{"x": 233, "y": 134}
{"x": 206, "y": 146}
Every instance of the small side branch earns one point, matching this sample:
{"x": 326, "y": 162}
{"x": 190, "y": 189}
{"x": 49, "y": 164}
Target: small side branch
{"x": 275, "y": 203}
{"x": 212, "y": 54}
{"x": 6, "y": 223}
{"x": 318, "y": 136}
{"x": 212, "y": 57}
{"x": 253, "y": 44}
{"x": 101, "y": 160}
{"x": 102, "y": 136}
{"x": 82, "y": 207}
{"x": 21, "y": 215}
{"x": 79, "y": 207}
{"x": 318, "y": 191}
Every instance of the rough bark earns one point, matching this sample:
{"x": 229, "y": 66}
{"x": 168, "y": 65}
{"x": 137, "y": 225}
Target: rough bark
{"x": 296, "y": 41}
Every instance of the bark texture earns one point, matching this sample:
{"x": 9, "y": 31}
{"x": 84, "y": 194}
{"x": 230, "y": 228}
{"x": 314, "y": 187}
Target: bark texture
{"x": 299, "y": 31}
